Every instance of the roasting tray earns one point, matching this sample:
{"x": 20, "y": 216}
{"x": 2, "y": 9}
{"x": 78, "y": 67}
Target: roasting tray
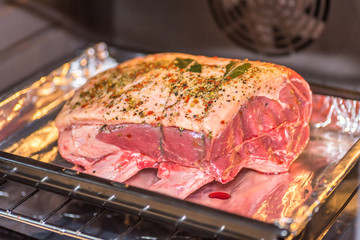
{"x": 29, "y": 155}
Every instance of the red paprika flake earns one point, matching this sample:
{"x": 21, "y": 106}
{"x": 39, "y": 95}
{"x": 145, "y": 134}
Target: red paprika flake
{"x": 150, "y": 113}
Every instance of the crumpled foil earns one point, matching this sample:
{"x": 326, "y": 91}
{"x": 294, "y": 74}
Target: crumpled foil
{"x": 33, "y": 102}
{"x": 288, "y": 200}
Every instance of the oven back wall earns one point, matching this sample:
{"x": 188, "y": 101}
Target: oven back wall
{"x": 333, "y": 57}
{"x": 43, "y": 30}
{"x": 29, "y": 41}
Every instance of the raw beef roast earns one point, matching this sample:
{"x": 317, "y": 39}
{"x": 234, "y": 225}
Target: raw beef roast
{"x": 195, "y": 118}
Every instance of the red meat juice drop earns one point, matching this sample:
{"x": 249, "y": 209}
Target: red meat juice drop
{"x": 220, "y": 195}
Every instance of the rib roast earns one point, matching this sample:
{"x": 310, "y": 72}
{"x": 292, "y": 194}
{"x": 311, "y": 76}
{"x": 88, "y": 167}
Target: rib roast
{"x": 195, "y": 118}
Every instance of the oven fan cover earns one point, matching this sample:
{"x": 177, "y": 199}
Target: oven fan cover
{"x": 273, "y": 27}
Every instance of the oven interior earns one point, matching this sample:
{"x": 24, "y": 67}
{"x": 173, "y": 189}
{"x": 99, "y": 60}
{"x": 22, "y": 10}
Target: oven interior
{"x": 318, "y": 38}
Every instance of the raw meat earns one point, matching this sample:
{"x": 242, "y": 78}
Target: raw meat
{"x": 195, "y": 118}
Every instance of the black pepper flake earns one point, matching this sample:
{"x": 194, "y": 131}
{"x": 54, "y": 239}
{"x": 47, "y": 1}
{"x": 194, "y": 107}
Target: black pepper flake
{"x": 103, "y": 127}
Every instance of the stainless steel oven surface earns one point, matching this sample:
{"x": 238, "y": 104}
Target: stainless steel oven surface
{"x": 48, "y": 49}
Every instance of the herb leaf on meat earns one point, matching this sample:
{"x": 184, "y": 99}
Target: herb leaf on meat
{"x": 188, "y": 64}
{"x": 233, "y": 70}
{"x": 183, "y": 62}
{"x": 195, "y": 68}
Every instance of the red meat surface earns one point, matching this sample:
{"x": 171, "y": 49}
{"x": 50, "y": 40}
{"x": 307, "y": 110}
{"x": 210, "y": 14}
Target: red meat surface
{"x": 196, "y": 119}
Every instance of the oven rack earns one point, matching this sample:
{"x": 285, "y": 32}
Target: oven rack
{"x": 78, "y": 233}
{"x": 181, "y": 215}
{"x": 42, "y": 223}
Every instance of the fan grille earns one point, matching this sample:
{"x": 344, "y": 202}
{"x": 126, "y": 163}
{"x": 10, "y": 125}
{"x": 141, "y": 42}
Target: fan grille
{"x": 274, "y": 27}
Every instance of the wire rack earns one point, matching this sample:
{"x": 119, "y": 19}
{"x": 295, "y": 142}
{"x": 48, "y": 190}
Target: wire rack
{"x": 82, "y": 206}
{"x": 69, "y": 217}
{"x": 64, "y": 220}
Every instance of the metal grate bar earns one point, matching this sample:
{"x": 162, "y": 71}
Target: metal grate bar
{"x": 97, "y": 214}
{"x": 21, "y": 201}
{"x": 55, "y": 210}
{"x": 173, "y": 234}
{"x": 132, "y": 227}
{"x": 49, "y": 227}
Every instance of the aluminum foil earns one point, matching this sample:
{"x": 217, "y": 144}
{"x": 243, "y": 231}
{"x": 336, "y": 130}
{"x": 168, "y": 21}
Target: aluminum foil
{"x": 288, "y": 200}
{"x": 24, "y": 106}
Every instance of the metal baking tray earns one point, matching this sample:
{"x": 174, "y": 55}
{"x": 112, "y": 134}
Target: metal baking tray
{"x": 29, "y": 155}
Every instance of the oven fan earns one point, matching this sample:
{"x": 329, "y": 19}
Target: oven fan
{"x": 273, "y": 27}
